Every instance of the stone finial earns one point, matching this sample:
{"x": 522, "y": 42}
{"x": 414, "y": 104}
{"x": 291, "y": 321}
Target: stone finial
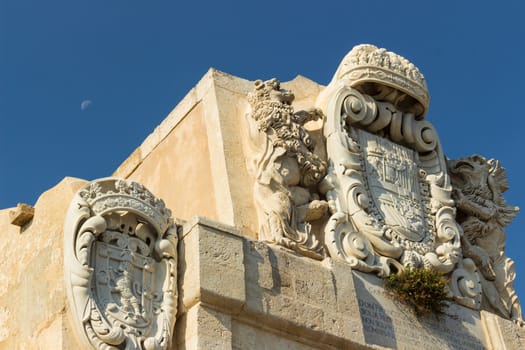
{"x": 22, "y": 214}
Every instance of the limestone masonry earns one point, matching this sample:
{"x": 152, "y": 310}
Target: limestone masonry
{"x": 266, "y": 215}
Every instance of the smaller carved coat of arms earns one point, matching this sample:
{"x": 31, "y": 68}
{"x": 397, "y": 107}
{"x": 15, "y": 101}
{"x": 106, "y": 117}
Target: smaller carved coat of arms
{"x": 120, "y": 266}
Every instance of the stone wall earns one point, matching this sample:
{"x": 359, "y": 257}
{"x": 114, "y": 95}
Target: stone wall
{"x": 197, "y": 158}
{"x": 235, "y": 293}
{"x": 238, "y": 293}
{"x": 32, "y": 289}
{"x": 308, "y": 282}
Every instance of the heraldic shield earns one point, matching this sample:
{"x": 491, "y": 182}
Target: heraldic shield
{"x": 123, "y": 281}
{"x": 120, "y": 266}
{"x": 387, "y": 182}
{"x": 387, "y": 186}
{"x": 393, "y": 178}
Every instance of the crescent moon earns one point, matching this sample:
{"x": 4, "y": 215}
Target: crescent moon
{"x": 85, "y": 105}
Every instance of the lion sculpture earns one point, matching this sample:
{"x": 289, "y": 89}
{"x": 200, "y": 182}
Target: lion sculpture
{"x": 483, "y": 214}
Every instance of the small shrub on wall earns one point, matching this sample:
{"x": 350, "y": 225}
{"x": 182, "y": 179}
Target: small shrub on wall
{"x": 422, "y": 289}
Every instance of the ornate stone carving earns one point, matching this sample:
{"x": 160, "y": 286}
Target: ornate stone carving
{"x": 286, "y": 169}
{"x": 465, "y": 284}
{"x": 120, "y": 260}
{"x": 387, "y": 184}
{"x": 483, "y": 213}
{"x": 385, "y": 76}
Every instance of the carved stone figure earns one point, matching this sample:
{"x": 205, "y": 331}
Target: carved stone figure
{"x": 286, "y": 169}
{"x": 391, "y": 196}
{"x": 483, "y": 213}
{"x": 387, "y": 184}
{"x": 121, "y": 266}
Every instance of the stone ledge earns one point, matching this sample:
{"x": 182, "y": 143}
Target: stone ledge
{"x": 211, "y": 266}
{"x": 247, "y": 280}
{"x": 270, "y": 288}
{"x": 22, "y": 214}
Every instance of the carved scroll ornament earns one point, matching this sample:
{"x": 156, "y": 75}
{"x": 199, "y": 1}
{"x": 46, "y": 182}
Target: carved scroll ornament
{"x": 387, "y": 184}
{"x": 120, "y": 266}
{"x": 393, "y": 201}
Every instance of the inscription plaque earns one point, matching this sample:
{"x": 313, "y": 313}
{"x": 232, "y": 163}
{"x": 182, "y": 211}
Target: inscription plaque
{"x": 389, "y": 323}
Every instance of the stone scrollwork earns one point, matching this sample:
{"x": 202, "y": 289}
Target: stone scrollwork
{"x": 385, "y": 76}
{"x": 465, "y": 284}
{"x": 286, "y": 169}
{"x": 394, "y": 201}
{"x": 483, "y": 214}
{"x": 387, "y": 183}
{"x": 120, "y": 260}
{"x": 385, "y": 189}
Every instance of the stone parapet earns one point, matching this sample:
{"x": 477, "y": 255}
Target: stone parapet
{"x": 264, "y": 215}
{"x": 237, "y": 293}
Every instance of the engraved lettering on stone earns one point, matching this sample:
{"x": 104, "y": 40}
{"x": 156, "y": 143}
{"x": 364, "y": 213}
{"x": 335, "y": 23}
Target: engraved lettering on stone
{"x": 393, "y": 327}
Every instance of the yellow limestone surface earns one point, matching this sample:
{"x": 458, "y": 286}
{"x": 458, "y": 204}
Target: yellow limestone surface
{"x": 32, "y": 291}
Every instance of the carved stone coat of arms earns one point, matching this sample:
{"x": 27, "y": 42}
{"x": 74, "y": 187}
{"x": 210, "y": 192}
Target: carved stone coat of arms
{"x": 387, "y": 184}
{"x": 121, "y": 266}
{"x": 387, "y": 198}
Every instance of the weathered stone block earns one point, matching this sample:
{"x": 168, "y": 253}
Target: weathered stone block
{"x": 212, "y": 266}
{"x": 388, "y": 323}
{"x": 254, "y": 338}
{"x": 501, "y": 333}
{"x": 32, "y": 293}
{"x": 202, "y": 328}
{"x": 309, "y": 305}
{"x": 22, "y": 214}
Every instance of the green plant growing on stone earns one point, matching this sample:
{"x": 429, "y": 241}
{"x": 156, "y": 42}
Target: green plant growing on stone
{"x": 422, "y": 289}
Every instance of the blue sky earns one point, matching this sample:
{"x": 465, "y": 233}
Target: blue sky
{"x": 134, "y": 60}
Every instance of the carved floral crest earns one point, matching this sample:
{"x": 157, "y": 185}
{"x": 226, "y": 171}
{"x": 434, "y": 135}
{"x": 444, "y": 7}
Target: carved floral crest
{"x": 120, "y": 266}
{"x": 386, "y": 76}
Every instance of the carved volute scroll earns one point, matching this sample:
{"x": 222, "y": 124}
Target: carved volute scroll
{"x": 286, "y": 170}
{"x": 483, "y": 213}
{"x": 392, "y": 196}
{"x": 387, "y": 184}
{"x": 120, "y": 259}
